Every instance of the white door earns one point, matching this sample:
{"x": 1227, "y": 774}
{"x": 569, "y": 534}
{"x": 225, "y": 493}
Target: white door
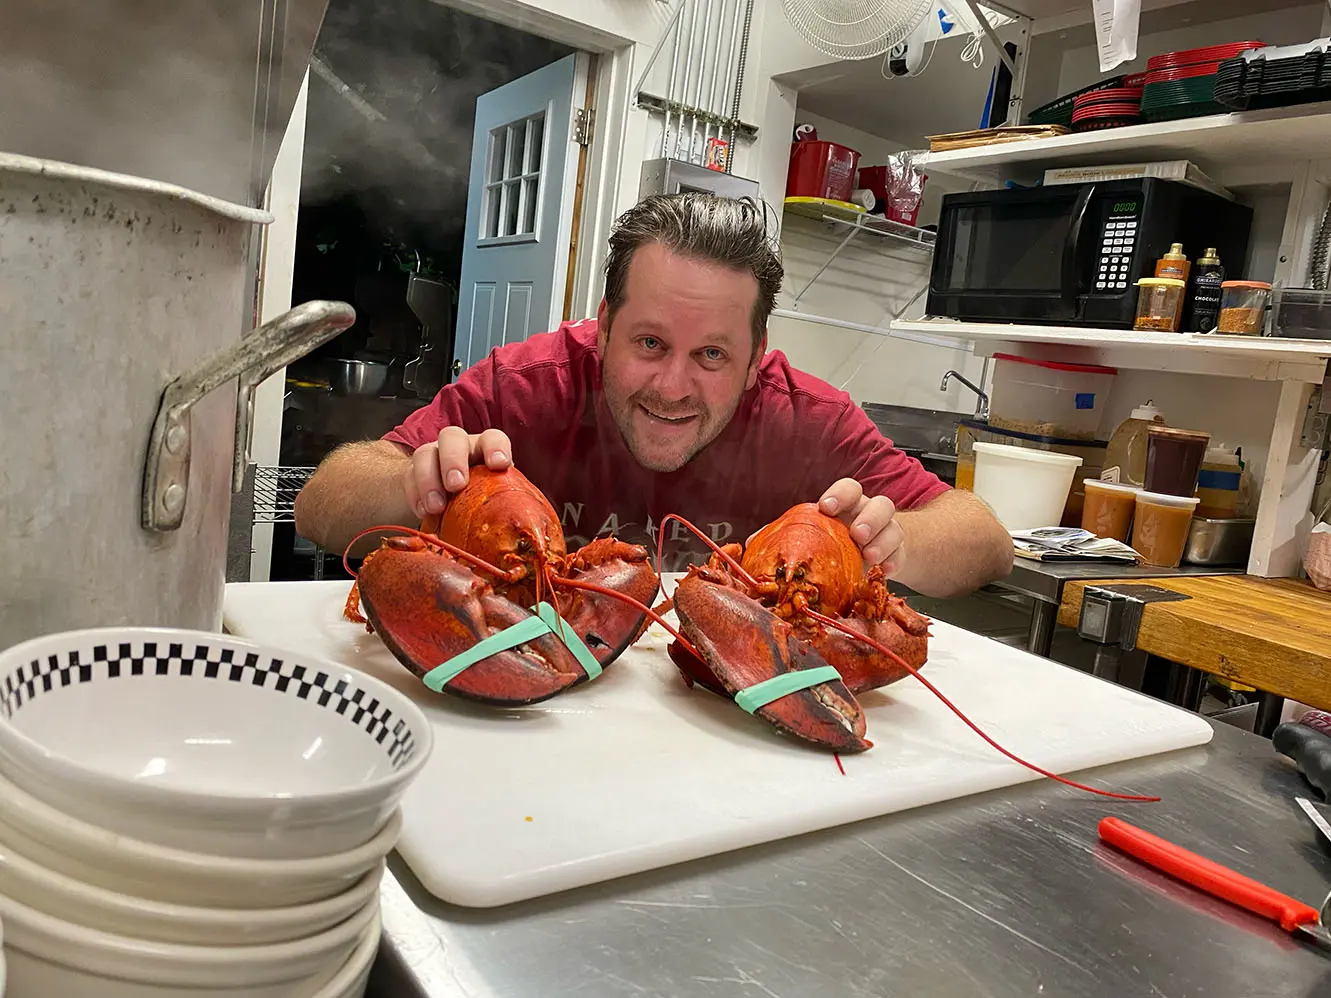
{"x": 519, "y": 209}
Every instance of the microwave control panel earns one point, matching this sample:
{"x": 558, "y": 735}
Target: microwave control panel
{"x": 1116, "y": 246}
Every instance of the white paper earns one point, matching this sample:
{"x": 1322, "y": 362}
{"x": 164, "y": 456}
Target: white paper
{"x": 1116, "y": 23}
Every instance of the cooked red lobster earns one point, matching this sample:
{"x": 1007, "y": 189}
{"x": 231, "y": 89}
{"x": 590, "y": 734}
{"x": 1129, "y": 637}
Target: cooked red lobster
{"x": 795, "y": 619}
{"x": 496, "y": 558}
{"x": 752, "y": 613}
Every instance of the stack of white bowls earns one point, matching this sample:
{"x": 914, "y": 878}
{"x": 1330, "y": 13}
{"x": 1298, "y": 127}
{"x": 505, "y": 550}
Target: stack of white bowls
{"x": 188, "y": 813}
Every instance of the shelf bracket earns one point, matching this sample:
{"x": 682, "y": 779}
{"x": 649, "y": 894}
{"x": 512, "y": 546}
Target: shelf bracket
{"x": 827, "y": 263}
{"x": 992, "y": 35}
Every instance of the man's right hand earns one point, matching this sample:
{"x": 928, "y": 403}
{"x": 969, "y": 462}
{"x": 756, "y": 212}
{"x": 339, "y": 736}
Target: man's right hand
{"x": 441, "y": 466}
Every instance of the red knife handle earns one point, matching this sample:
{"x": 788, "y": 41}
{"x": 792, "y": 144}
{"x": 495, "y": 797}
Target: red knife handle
{"x": 1210, "y": 877}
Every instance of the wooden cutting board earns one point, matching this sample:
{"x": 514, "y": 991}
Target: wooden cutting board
{"x": 634, "y": 771}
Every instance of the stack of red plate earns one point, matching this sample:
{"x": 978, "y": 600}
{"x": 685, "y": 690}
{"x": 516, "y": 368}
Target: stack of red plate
{"x": 1108, "y": 108}
{"x": 1191, "y": 57}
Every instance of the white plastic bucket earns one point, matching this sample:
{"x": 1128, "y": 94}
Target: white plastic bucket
{"x": 1025, "y": 488}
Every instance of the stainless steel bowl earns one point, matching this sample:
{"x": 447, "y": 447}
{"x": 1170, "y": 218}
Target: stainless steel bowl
{"x": 1218, "y": 541}
{"x": 358, "y": 377}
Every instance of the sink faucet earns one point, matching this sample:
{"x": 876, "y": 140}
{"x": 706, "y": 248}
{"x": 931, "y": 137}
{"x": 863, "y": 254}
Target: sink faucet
{"x": 981, "y": 402}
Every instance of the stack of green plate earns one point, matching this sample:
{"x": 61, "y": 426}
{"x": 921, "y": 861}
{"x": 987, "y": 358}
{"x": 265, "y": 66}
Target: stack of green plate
{"x": 1186, "y": 98}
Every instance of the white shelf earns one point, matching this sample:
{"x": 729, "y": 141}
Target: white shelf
{"x": 1260, "y": 358}
{"x": 1221, "y": 144}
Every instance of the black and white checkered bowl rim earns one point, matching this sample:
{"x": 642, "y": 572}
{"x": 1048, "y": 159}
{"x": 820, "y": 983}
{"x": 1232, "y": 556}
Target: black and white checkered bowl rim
{"x": 41, "y": 665}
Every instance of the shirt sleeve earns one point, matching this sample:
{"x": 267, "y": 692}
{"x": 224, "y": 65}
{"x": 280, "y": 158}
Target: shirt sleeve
{"x": 466, "y": 402}
{"x": 861, "y": 452}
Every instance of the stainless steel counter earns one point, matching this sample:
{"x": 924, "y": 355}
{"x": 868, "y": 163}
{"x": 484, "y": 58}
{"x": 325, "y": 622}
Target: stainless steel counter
{"x": 1003, "y": 894}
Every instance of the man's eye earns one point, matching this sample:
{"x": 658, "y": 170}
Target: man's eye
{"x": 714, "y": 355}
{"x": 650, "y": 342}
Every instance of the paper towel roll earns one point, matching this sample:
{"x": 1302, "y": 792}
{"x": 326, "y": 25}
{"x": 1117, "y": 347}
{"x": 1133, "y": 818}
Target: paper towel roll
{"x": 864, "y": 197}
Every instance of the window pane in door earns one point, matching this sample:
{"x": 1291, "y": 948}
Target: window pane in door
{"x": 535, "y": 134}
{"x": 512, "y": 191}
{"x": 530, "y": 189}
{"x": 490, "y": 229}
{"x": 495, "y": 167}
{"x": 513, "y": 151}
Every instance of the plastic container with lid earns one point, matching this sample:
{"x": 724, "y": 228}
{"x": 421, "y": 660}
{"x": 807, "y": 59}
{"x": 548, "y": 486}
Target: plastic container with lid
{"x": 1108, "y": 508}
{"x": 1047, "y": 398}
{"x": 1243, "y": 306}
{"x": 1159, "y": 304}
{"x": 1301, "y": 313}
{"x": 1025, "y": 488}
{"x": 1160, "y": 525}
{"x": 1174, "y": 459}
{"x": 1127, "y": 446}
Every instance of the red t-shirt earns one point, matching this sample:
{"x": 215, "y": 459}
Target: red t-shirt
{"x": 791, "y": 437}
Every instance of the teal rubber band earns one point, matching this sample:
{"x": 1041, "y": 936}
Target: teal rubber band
{"x": 564, "y": 631}
{"x": 761, "y": 694}
{"x": 509, "y": 637}
{"x": 547, "y": 621}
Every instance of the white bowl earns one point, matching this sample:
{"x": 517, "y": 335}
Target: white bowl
{"x": 64, "y": 897}
{"x": 352, "y": 979}
{"x": 142, "y": 869}
{"x": 207, "y": 742}
{"x": 48, "y": 956}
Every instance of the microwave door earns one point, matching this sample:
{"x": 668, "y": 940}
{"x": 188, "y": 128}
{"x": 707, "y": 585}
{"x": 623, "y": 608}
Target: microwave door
{"x": 1012, "y": 255}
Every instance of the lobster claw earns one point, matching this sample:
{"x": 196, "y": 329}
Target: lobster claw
{"x": 427, "y": 606}
{"x": 608, "y": 625}
{"x": 743, "y": 644}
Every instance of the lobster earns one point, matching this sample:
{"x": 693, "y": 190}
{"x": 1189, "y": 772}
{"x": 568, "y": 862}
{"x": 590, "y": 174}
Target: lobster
{"x": 495, "y": 560}
{"x": 753, "y": 612}
{"x": 795, "y": 618}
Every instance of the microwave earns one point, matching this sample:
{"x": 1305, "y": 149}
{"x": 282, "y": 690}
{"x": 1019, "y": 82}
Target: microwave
{"x": 1070, "y": 254}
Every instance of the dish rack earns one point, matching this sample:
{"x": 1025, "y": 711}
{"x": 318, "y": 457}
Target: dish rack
{"x": 275, "y": 490}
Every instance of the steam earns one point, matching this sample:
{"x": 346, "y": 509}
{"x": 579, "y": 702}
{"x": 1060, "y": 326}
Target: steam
{"x": 392, "y": 106}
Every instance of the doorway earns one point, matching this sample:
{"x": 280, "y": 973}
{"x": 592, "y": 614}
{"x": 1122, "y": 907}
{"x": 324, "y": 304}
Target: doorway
{"x": 383, "y": 218}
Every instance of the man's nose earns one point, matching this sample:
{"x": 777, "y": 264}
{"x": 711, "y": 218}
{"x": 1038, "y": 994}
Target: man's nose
{"x": 673, "y": 381}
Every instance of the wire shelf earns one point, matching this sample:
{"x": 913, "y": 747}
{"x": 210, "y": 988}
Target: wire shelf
{"x": 275, "y": 490}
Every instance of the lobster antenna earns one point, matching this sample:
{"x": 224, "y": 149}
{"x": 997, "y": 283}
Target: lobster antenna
{"x": 431, "y": 539}
{"x": 660, "y": 540}
{"x": 625, "y": 597}
{"x": 969, "y": 723}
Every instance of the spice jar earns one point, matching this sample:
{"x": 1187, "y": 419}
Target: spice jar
{"x": 1243, "y": 307}
{"x": 1159, "y": 304}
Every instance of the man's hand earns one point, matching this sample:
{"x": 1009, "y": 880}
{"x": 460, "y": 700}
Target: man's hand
{"x": 441, "y": 466}
{"x": 872, "y": 522}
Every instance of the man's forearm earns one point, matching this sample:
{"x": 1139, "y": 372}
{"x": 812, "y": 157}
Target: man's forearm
{"x": 356, "y": 486}
{"x": 954, "y": 545}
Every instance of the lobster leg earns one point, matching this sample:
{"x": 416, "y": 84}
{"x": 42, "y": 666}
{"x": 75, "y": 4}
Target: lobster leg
{"x": 427, "y": 606}
{"x": 606, "y": 625}
{"x": 743, "y": 644}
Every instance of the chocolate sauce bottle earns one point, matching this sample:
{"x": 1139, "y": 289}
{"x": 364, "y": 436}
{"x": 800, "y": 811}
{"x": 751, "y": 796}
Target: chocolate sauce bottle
{"x": 1204, "y": 293}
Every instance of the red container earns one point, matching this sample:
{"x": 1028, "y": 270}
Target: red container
{"x": 821, "y": 170}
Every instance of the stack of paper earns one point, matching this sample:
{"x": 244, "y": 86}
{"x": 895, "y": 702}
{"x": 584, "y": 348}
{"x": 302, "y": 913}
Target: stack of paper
{"x": 1070, "y": 544}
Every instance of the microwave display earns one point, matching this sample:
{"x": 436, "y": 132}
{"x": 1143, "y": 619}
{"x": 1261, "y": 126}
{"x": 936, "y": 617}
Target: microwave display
{"x": 1071, "y": 253}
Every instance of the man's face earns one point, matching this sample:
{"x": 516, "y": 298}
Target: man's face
{"x": 680, "y": 355}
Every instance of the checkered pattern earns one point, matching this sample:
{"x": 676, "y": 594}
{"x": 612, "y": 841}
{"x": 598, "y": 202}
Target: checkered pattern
{"x": 202, "y": 661}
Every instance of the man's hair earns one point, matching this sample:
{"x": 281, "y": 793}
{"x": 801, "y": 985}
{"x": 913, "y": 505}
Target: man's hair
{"x": 729, "y": 231}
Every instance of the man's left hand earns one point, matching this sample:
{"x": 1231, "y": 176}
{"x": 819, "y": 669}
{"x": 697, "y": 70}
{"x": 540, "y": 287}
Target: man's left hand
{"x": 872, "y": 522}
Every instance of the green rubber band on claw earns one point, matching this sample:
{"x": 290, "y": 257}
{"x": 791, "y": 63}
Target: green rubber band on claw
{"x": 761, "y": 694}
{"x": 547, "y": 621}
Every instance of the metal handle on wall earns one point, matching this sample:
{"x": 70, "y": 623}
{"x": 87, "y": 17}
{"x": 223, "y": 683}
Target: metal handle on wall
{"x": 252, "y": 359}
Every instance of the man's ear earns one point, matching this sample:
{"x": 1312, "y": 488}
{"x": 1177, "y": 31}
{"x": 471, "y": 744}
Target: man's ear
{"x": 752, "y": 378}
{"x": 602, "y": 326}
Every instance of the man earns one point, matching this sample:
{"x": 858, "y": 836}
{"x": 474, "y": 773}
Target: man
{"x": 667, "y": 402}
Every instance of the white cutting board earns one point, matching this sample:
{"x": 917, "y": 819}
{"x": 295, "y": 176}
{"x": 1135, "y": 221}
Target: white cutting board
{"x": 634, "y": 771}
